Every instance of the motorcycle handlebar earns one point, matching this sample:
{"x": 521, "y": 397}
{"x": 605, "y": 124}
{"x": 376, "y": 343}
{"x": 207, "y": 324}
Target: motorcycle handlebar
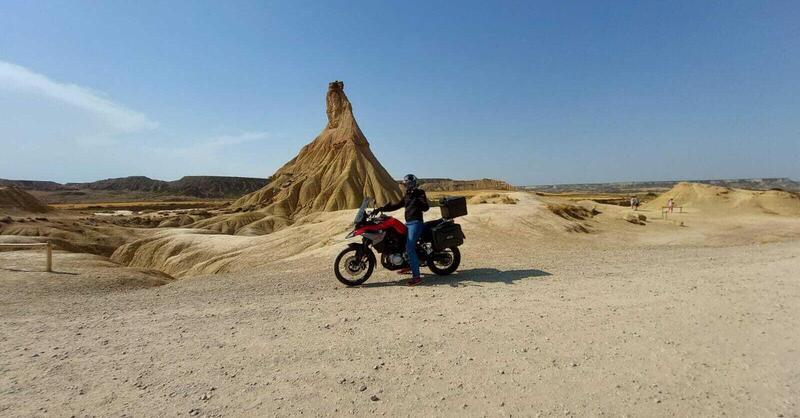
{"x": 373, "y": 213}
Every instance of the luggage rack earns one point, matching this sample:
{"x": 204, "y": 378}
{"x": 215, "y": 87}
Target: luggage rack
{"x": 453, "y": 207}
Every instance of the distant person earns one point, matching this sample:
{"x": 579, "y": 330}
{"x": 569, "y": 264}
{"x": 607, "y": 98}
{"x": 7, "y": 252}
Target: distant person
{"x": 415, "y": 203}
{"x": 635, "y": 202}
{"x": 670, "y": 205}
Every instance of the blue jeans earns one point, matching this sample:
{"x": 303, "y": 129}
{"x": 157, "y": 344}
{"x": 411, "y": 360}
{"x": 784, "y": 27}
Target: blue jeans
{"x": 414, "y": 231}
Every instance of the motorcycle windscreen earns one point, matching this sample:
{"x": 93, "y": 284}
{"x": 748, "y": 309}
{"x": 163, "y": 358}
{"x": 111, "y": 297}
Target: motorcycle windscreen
{"x": 362, "y": 211}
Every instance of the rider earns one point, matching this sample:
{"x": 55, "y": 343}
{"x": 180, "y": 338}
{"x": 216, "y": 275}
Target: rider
{"x": 415, "y": 203}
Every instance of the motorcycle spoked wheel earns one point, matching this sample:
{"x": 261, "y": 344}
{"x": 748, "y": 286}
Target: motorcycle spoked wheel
{"x": 350, "y": 271}
{"x": 445, "y": 262}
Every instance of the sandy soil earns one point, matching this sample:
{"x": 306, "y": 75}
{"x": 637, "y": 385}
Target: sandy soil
{"x": 652, "y": 320}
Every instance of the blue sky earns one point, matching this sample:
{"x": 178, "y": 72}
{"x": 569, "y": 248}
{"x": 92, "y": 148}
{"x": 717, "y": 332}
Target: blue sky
{"x": 531, "y": 92}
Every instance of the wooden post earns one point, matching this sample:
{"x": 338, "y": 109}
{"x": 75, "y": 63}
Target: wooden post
{"x": 49, "y": 257}
{"x": 48, "y": 247}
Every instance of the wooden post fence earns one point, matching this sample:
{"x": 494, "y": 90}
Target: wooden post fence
{"x": 48, "y": 247}
{"x": 665, "y": 210}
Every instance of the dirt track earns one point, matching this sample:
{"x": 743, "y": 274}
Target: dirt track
{"x": 681, "y": 330}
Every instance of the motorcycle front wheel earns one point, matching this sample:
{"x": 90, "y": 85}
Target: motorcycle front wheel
{"x": 349, "y": 270}
{"x": 445, "y": 262}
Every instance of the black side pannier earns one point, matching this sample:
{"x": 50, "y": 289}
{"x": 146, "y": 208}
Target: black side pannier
{"x": 447, "y": 234}
{"x": 453, "y": 207}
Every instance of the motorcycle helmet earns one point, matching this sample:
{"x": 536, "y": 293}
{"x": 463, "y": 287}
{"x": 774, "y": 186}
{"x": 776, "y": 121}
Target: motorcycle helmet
{"x": 410, "y": 181}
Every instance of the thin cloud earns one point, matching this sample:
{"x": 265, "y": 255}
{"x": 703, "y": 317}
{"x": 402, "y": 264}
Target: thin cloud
{"x": 211, "y": 146}
{"x": 219, "y": 155}
{"x": 102, "y": 138}
{"x": 225, "y": 141}
{"x": 118, "y": 118}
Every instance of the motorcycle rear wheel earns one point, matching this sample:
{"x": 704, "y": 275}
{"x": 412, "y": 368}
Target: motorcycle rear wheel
{"x": 445, "y": 262}
{"x": 355, "y": 271}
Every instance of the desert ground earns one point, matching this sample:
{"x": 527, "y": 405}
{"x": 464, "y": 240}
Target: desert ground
{"x": 559, "y": 308}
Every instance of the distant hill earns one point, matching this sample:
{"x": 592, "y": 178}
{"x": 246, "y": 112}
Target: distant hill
{"x": 190, "y": 186}
{"x": 450, "y": 185}
{"x": 216, "y": 186}
{"x": 32, "y": 184}
{"x": 781, "y": 183}
{"x": 133, "y": 183}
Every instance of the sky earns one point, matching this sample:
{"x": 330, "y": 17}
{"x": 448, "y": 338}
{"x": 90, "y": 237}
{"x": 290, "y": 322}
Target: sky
{"x": 526, "y": 91}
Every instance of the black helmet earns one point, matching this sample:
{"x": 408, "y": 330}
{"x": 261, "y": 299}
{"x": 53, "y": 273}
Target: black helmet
{"x": 410, "y": 181}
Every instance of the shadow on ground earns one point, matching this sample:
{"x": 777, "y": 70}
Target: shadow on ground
{"x": 466, "y": 277}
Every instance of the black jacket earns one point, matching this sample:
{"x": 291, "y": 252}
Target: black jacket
{"x": 415, "y": 203}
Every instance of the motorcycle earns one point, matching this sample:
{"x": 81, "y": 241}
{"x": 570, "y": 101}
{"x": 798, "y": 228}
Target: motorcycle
{"x": 437, "y": 248}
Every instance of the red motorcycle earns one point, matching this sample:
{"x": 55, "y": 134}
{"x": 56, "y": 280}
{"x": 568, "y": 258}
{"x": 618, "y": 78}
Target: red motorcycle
{"x": 437, "y": 247}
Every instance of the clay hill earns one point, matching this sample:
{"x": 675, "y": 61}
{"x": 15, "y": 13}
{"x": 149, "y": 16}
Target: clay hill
{"x": 450, "y": 185}
{"x": 16, "y": 200}
{"x": 333, "y": 172}
{"x": 716, "y": 200}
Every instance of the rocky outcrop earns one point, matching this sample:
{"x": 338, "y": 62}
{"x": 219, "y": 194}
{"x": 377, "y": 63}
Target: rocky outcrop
{"x": 337, "y": 170}
{"x": 635, "y": 218}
